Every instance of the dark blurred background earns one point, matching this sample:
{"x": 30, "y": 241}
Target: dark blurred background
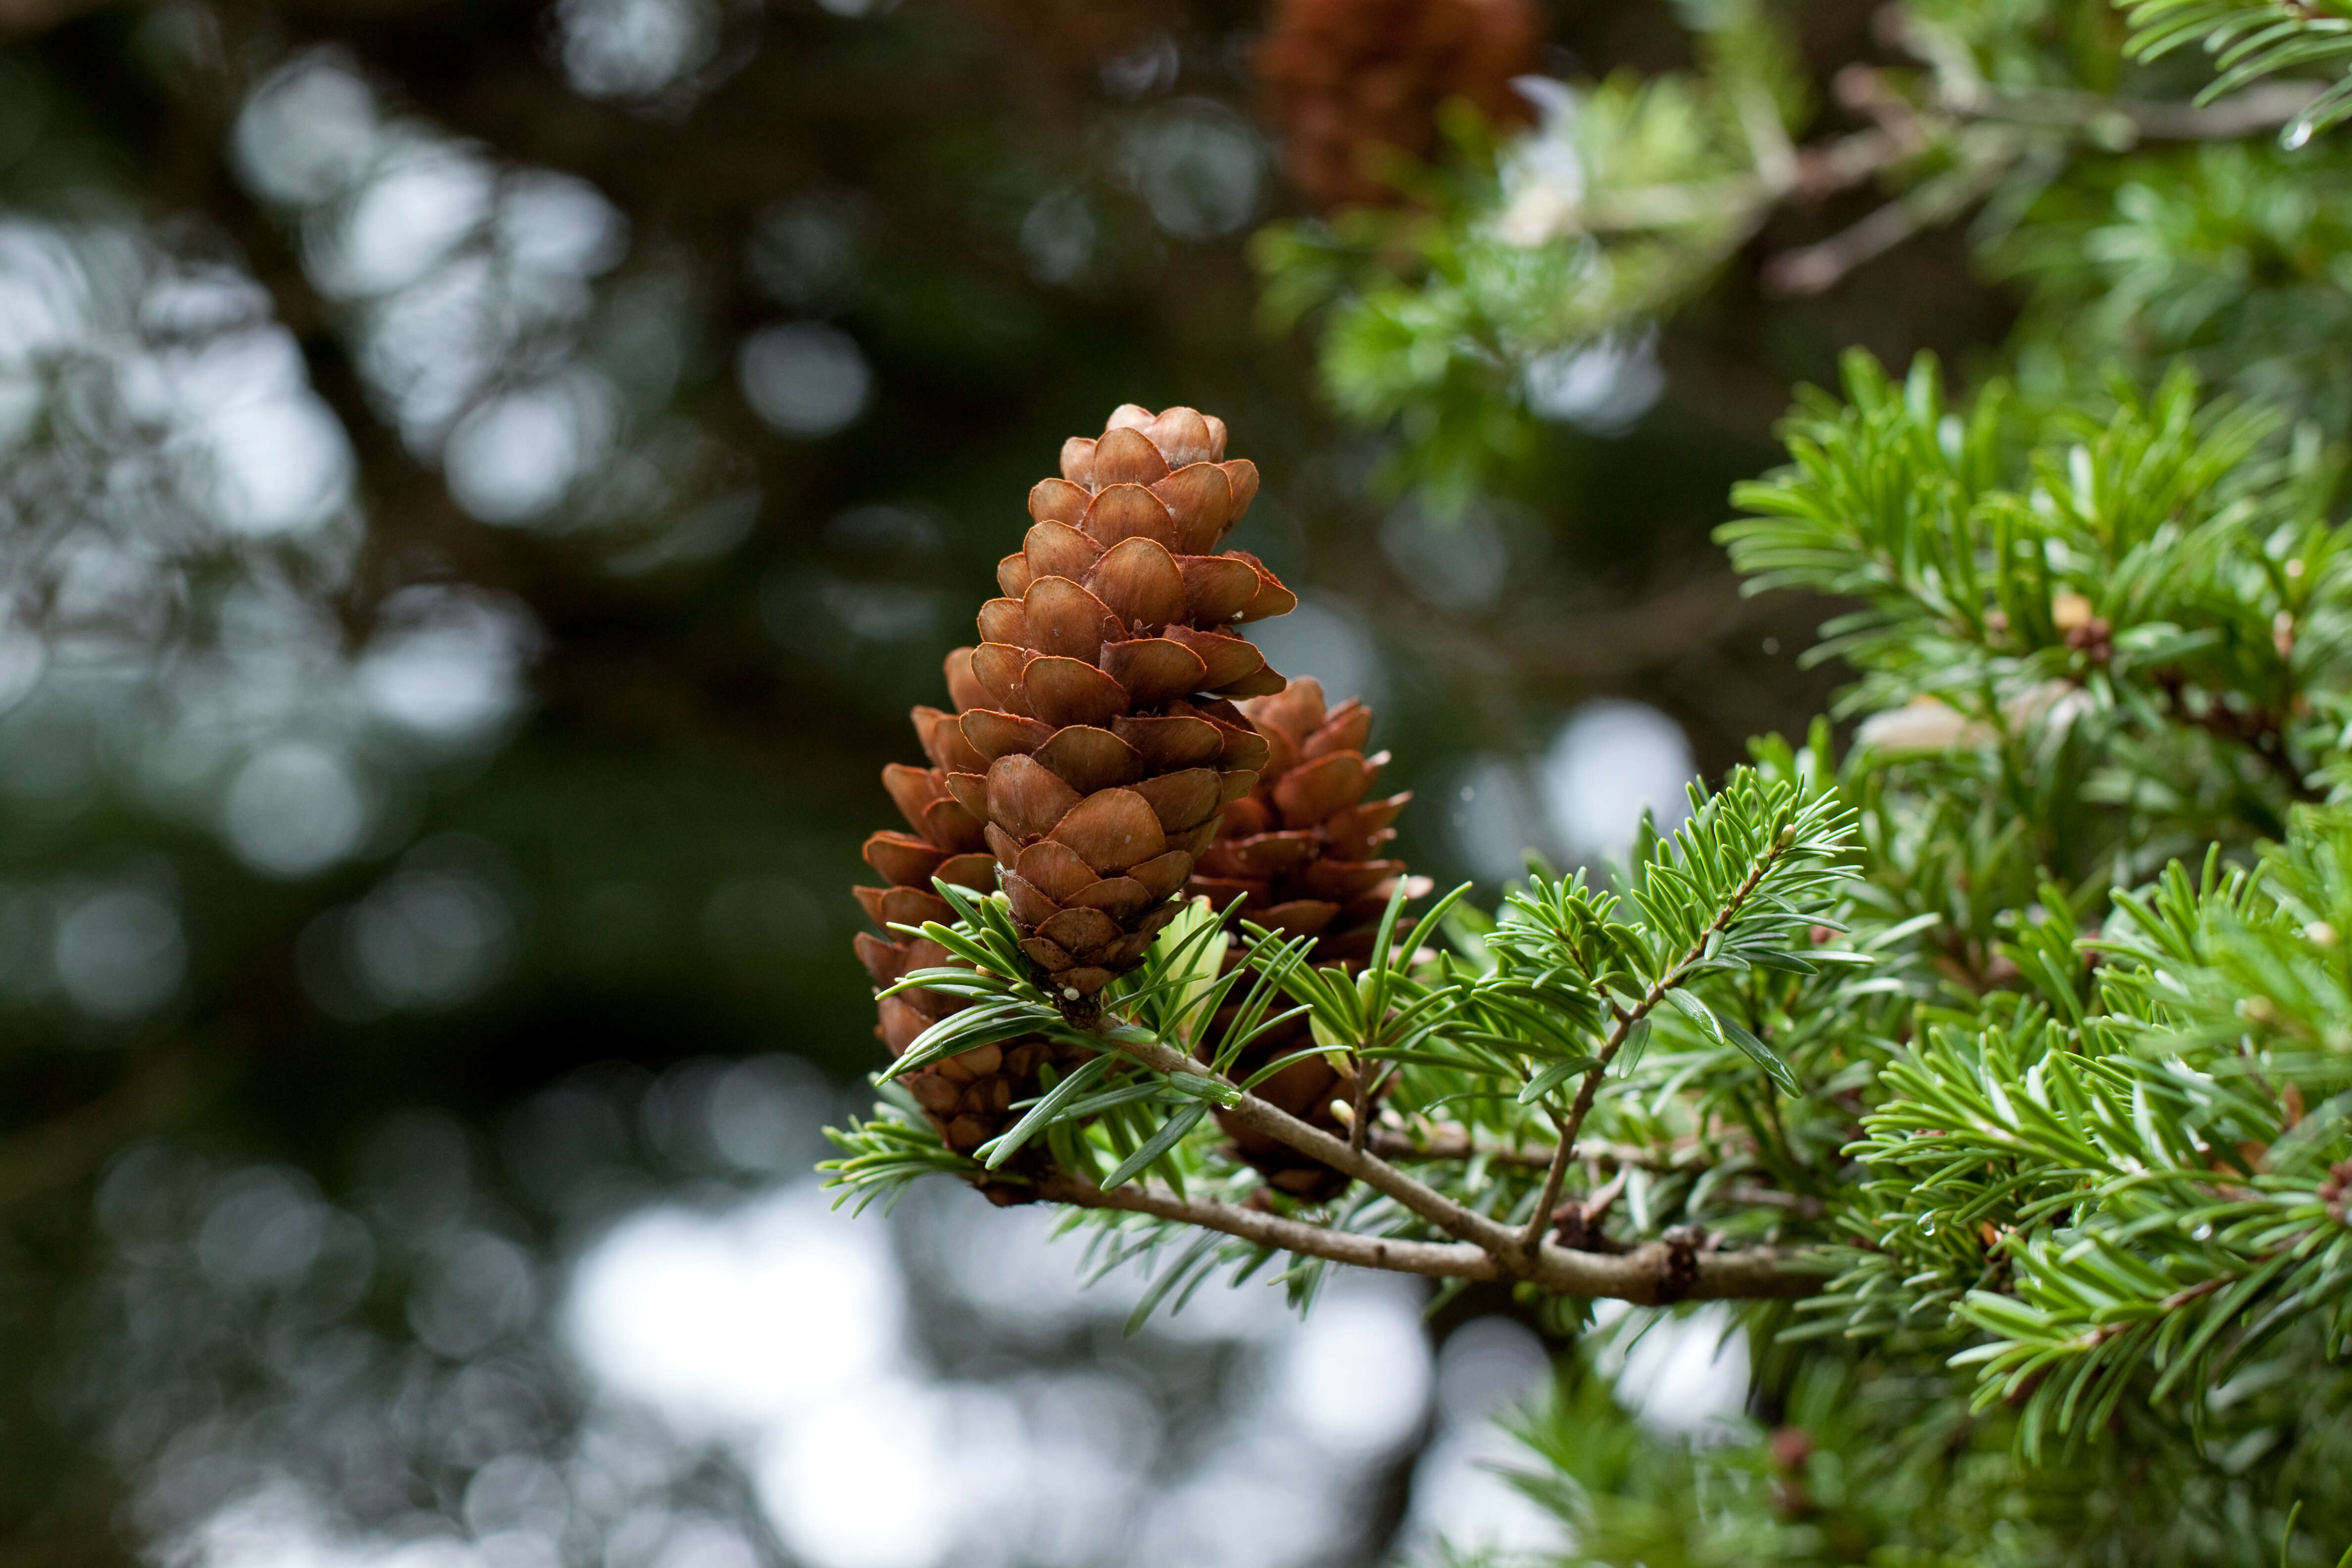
{"x": 482, "y": 482}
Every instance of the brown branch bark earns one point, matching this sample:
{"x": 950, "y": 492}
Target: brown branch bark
{"x": 1564, "y": 1151}
{"x": 1652, "y": 1274}
{"x": 1815, "y": 268}
{"x": 1259, "y": 1116}
{"x": 2266, "y": 106}
{"x": 1655, "y": 1274}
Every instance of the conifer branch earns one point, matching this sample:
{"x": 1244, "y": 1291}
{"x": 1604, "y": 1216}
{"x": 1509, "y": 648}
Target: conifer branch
{"x": 1657, "y": 1273}
{"x": 1629, "y": 1017}
{"x": 2088, "y": 1164}
{"x": 1437, "y": 1260}
{"x": 1259, "y": 1116}
{"x": 1565, "y": 1150}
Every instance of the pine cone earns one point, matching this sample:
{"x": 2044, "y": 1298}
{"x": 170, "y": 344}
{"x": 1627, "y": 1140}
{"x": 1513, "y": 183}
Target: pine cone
{"x": 968, "y": 1097}
{"x": 1095, "y": 741}
{"x": 1343, "y": 78}
{"x": 1301, "y": 854}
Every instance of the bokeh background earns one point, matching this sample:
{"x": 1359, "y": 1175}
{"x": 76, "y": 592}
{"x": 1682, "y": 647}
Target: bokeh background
{"x": 482, "y": 482}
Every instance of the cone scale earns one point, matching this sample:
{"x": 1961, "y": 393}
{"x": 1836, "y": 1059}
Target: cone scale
{"x": 1095, "y": 739}
{"x": 1094, "y": 744}
{"x": 969, "y": 1098}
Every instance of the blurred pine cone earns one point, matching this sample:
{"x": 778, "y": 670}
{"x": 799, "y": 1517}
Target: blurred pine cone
{"x": 1302, "y": 852}
{"x": 1096, "y": 742}
{"x": 968, "y": 1097}
{"x": 1345, "y": 80}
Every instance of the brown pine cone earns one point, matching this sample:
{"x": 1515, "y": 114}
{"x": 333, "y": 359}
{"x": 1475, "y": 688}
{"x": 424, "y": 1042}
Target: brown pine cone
{"x": 1344, "y": 78}
{"x": 1302, "y": 853}
{"x": 968, "y": 1097}
{"x": 1096, "y": 740}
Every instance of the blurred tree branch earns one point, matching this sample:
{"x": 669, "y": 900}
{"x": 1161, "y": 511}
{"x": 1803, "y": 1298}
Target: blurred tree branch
{"x": 1655, "y": 1273}
{"x": 159, "y": 1088}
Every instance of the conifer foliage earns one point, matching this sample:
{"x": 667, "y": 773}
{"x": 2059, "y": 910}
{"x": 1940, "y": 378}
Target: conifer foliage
{"x": 2008, "y": 1049}
{"x": 1302, "y": 854}
{"x": 1988, "y": 1047}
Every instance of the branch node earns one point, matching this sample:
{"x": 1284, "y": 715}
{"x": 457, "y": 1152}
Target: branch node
{"x": 1678, "y": 1266}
